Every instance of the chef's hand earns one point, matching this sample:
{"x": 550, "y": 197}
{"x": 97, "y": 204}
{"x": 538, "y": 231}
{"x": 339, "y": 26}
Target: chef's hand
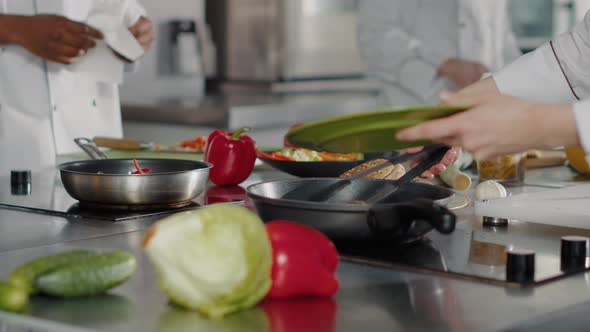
{"x": 144, "y": 32}
{"x": 55, "y": 38}
{"x": 461, "y": 72}
{"x": 449, "y": 158}
{"x": 499, "y": 125}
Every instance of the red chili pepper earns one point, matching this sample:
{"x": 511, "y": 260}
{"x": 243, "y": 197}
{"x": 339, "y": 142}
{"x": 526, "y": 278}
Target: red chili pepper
{"x": 232, "y": 155}
{"x": 304, "y": 261}
{"x": 140, "y": 170}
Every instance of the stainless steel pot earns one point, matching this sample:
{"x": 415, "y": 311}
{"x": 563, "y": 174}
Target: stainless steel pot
{"x": 110, "y": 182}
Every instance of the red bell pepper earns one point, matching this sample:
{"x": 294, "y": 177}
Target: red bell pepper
{"x": 232, "y": 155}
{"x": 225, "y": 194}
{"x": 304, "y": 314}
{"x": 304, "y": 261}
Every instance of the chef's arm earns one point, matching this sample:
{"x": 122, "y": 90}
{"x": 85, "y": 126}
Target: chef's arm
{"x": 8, "y": 29}
{"x": 50, "y": 37}
{"x": 392, "y": 54}
{"x": 556, "y": 72}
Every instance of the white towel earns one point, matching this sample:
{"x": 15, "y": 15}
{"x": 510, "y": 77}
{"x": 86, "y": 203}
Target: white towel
{"x": 100, "y": 64}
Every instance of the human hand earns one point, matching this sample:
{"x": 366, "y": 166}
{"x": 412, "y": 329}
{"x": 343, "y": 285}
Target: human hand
{"x": 55, "y": 38}
{"x": 143, "y": 30}
{"x": 144, "y": 33}
{"x": 449, "y": 158}
{"x": 499, "y": 125}
{"x": 461, "y": 72}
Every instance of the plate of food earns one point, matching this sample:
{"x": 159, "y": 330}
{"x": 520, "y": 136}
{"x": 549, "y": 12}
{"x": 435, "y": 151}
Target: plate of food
{"x": 309, "y": 163}
{"x": 370, "y": 131}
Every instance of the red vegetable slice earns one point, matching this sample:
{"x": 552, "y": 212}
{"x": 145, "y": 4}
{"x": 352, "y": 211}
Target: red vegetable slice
{"x": 140, "y": 170}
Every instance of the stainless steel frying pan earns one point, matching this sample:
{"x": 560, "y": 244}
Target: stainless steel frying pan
{"x": 110, "y": 182}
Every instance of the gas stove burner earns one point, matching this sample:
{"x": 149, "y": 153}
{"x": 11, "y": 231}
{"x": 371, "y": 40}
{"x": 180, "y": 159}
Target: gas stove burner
{"x": 134, "y": 207}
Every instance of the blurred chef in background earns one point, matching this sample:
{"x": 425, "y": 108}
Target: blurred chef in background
{"x": 45, "y": 100}
{"x": 417, "y": 48}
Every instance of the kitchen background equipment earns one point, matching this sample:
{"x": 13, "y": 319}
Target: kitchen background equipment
{"x": 366, "y": 132}
{"x": 272, "y": 40}
{"x": 321, "y": 169}
{"x": 132, "y": 144}
{"x": 108, "y": 182}
{"x": 403, "y": 216}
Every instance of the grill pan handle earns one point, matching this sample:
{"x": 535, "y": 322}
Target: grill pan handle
{"x": 412, "y": 219}
{"x": 90, "y": 148}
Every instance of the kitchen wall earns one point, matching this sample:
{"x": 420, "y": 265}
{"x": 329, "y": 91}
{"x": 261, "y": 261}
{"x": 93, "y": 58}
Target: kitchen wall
{"x": 148, "y": 86}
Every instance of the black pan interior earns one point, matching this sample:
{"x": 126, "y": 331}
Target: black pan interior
{"x": 125, "y": 166}
{"x": 356, "y": 192}
{"x": 321, "y": 169}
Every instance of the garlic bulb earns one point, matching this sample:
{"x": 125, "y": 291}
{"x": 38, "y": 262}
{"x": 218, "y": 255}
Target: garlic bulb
{"x": 490, "y": 190}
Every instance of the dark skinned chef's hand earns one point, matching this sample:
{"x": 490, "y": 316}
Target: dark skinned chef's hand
{"x": 55, "y": 38}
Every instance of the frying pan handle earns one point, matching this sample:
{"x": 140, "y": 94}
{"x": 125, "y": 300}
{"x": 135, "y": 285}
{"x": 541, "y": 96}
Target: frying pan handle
{"x": 90, "y": 148}
{"x": 405, "y": 219}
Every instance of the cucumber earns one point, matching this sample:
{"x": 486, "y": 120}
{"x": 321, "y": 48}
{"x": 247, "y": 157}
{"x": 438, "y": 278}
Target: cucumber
{"x": 13, "y": 298}
{"x": 24, "y": 276}
{"x": 96, "y": 275}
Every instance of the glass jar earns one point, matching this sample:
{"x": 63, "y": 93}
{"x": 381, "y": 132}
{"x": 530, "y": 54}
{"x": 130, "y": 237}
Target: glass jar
{"x": 508, "y": 168}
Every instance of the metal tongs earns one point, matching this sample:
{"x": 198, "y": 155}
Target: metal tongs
{"x": 433, "y": 153}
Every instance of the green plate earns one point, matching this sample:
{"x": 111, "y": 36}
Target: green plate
{"x": 372, "y": 131}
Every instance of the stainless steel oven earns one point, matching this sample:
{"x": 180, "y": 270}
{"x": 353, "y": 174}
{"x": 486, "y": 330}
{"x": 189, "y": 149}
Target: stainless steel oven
{"x": 274, "y": 40}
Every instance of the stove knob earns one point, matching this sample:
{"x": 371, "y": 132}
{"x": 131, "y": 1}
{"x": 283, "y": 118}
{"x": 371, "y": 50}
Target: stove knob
{"x": 20, "y": 182}
{"x": 520, "y": 266}
{"x": 573, "y": 253}
{"x": 495, "y": 222}
{"x": 20, "y": 176}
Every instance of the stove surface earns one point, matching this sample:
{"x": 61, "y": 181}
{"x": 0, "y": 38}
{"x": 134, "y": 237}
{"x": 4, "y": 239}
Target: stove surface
{"x": 476, "y": 255}
{"x": 46, "y": 195}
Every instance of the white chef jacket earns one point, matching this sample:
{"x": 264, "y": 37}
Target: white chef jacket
{"x": 404, "y": 42}
{"x": 557, "y": 72}
{"x": 43, "y": 106}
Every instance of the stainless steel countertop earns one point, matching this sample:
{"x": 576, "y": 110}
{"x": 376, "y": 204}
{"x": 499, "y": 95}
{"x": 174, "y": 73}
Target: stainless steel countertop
{"x": 370, "y": 298}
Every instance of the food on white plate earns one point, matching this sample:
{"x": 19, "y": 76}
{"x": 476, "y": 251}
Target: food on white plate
{"x": 215, "y": 260}
{"x": 489, "y": 190}
{"x": 391, "y": 172}
{"x": 455, "y": 178}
